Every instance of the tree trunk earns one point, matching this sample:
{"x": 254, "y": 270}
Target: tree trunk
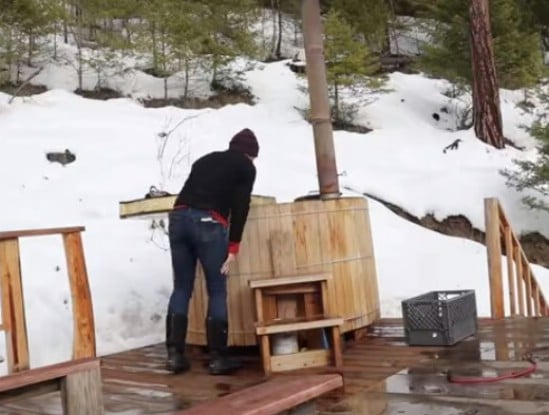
{"x": 126, "y": 23}
{"x": 392, "y": 22}
{"x": 273, "y": 9}
{"x": 31, "y": 47}
{"x": 55, "y": 42}
{"x": 10, "y": 52}
{"x": 80, "y": 68}
{"x": 163, "y": 50}
{"x": 78, "y": 40}
{"x": 545, "y": 36}
{"x": 486, "y": 105}
{"x": 278, "y": 51}
{"x": 336, "y": 103}
{"x": 187, "y": 75}
{"x": 152, "y": 28}
{"x": 65, "y": 24}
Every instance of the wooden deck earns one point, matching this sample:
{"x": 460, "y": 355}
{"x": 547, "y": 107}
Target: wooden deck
{"x": 383, "y": 376}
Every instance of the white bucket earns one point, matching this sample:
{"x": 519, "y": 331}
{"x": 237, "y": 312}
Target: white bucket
{"x": 284, "y": 343}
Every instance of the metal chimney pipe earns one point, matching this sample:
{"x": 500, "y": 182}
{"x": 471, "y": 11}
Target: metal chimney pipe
{"x": 320, "y": 104}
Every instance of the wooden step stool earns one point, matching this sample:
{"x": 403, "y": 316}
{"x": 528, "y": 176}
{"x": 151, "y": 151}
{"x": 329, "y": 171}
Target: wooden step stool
{"x": 314, "y": 315}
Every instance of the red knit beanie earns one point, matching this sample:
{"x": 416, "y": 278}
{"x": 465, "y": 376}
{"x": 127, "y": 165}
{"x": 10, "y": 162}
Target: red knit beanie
{"x": 245, "y": 142}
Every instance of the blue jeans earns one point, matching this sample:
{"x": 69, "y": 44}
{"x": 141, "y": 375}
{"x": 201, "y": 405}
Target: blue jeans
{"x": 195, "y": 235}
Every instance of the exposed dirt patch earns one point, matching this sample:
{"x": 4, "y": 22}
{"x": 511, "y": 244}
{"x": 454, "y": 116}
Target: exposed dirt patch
{"x": 26, "y": 90}
{"x": 536, "y": 247}
{"x": 100, "y": 93}
{"x": 347, "y": 126}
{"x": 220, "y": 99}
{"x": 534, "y": 244}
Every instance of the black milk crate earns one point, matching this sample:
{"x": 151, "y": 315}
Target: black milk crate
{"x": 440, "y": 318}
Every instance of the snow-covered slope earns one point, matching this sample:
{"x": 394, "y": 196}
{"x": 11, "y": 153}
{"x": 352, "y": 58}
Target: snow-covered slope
{"x": 118, "y": 150}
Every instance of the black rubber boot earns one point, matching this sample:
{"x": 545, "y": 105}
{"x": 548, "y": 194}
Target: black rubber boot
{"x": 220, "y": 362}
{"x": 176, "y": 332}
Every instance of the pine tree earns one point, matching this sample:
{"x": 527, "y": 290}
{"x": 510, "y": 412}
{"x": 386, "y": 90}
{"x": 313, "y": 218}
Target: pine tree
{"x": 98, "y": 47}
{"x": 448, "y": 54}
{"x": 369, "y": 19}
{"x": 348, "y": 60}
{"x": 185, "y": 41}
{"x": 534, "y": 175}
{"x": 226, "y": 27}
{"x": 22, "y": 24}
{"x": 173, "y": 33}
{"x": 538, "y": 18}
{"x": 158, "y": 14}
{"x": 125, "y": 10}
{"x": 516, "y": 44}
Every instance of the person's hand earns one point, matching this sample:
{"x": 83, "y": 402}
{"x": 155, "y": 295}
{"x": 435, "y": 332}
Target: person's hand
{"x": 225, "y": 266}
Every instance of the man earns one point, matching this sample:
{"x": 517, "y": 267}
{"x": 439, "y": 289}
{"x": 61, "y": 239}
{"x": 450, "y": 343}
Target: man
{"x": 219, "y": 186}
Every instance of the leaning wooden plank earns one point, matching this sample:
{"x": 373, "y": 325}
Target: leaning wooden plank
{"x": 7, "y": 314}
{"x": 163, "y": 204}
{"x": 39, "y": 232}
{"x": 46, "y": 373}
{"x": 84, "y": 344}
{"x": 14, "y": 310}
{"x": 151, "y": 205}
{"x": 271, "y": 397}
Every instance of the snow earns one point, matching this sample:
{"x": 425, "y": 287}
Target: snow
{"x": 121, "y": 151}
{"x": 122, "y": 73}
{"x": 409, "y": 35}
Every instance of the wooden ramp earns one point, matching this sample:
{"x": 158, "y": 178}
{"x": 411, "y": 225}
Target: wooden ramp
{"x": 382, "y": 375}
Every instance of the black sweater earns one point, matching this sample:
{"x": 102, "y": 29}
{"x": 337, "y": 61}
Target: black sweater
{"x": 221, "y": 181}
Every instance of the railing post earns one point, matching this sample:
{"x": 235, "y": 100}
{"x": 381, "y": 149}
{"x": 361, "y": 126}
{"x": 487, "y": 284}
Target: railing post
{"x": 493, "y": 245}
{"x": 13, "y": 310}
{"x": 84, "y": 325}
{"x": 509, "y": 253}
{"x": 519, "y": 268}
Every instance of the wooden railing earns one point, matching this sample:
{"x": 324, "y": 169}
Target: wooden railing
{"x": 523, "y": 289}
{"x": 13, "y": 303}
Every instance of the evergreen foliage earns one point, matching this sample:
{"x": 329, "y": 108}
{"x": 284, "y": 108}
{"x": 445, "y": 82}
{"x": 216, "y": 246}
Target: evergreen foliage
{"x": 179, "y": 34}
{"x": 517, "y": 46}
{"x": 174, "y": 32}
{"x": 369, "y": 18}
{"x": 226, "y": 32}
{"x": 534, "y": 175}
{"x": 349, "y": 60}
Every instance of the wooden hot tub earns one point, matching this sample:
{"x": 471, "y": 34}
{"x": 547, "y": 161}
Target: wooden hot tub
{"x": 299, "y": 238}
{"x": 281, "y": 239}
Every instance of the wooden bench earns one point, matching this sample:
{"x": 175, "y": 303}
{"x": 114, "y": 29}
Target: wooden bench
{"x": 79, "y": 382}
{"x": 282, "y": 394}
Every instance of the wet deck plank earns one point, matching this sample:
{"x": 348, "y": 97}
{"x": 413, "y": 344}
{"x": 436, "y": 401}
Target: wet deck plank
{"x": 423, "y": 388}
{"x": 383, "y": 376}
